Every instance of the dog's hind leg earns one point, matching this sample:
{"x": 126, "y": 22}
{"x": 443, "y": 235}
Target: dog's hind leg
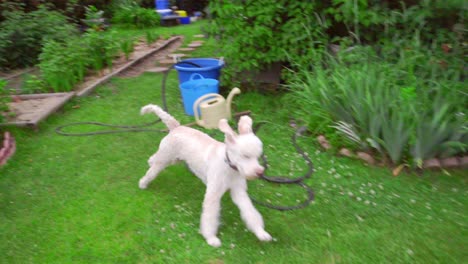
{"x": 249, "y": 214}
{"x": 159, "y": 161}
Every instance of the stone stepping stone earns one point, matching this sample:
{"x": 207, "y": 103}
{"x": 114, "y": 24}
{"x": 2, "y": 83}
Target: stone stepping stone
{"x": 194, "y": 45}
{"x": 157, "y": 69}
{"x": 177, "y": 55}
{"x": 199, "y": 36}
{"x": 186, "y": 49}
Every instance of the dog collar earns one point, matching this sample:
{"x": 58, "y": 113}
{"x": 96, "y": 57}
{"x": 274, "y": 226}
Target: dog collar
{"x": 228, "y": 161}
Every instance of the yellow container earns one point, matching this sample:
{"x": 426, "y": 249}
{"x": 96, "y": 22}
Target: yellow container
{"x": 181, "y": 13}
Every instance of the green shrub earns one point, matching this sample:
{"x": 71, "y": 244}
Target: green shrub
{"x": 127, "y": 47}
{"x": 254, "y": 33}
{"x": 136, "y": 16}
{"x": 151, "y": 37}
{"x": 33, "y": 84}
{"x": 64, "y": 64}
{"x": 22, "y": 34}
{"x": 57, "y": 65}
{"x": 102, "y": 48}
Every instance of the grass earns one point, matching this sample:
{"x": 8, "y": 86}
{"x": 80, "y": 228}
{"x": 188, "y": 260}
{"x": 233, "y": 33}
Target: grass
{"x": 76, "y": 200}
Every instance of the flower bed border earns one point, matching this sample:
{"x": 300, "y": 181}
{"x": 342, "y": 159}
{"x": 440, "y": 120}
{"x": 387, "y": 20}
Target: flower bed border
{"x": 88, "y": 88}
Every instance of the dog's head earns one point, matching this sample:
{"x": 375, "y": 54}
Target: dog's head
{"x": 244, "y": 149}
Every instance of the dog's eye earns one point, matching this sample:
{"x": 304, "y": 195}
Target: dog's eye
{"x": 246, "y": 156}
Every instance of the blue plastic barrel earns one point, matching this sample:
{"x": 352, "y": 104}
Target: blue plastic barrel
{"x": 208, "y": 68}
{"x": 161, "y": 4}
{"x": 196, "y": 87}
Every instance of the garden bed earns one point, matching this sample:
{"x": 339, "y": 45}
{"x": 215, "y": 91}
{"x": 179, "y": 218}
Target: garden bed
{"x": 29, "y": 109}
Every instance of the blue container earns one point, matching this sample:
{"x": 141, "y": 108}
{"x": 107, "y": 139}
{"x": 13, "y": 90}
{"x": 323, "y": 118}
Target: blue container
{"x": 196, "y": 87}
{"x": 161, "y": 4}
{"x": 208, "y": 68}
{"x": 184, "y": 20}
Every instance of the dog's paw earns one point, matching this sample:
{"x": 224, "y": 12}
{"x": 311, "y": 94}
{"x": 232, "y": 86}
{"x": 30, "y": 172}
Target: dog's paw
{"x": 214, "y": 242}
{"x": 262, "y": 235}
{"x": 142, "y": 184}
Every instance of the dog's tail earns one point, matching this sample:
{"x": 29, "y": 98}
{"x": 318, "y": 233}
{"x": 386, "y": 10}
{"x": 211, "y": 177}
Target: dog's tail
{"x": 167, "y": 119}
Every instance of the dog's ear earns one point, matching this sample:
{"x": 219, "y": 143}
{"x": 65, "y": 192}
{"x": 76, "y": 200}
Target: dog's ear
{"x": 227, "y": 130}
{"x": 245, "y": 125}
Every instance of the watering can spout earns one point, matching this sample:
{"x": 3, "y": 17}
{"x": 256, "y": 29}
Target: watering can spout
{"x": 229, "y": 100}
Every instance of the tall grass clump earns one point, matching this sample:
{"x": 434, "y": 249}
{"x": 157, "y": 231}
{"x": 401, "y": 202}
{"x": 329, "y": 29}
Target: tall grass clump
{"x": 406, "y": 107}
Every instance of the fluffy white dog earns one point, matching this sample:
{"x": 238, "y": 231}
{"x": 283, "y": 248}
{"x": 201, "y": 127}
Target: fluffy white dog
{"x": 221, "y": 166}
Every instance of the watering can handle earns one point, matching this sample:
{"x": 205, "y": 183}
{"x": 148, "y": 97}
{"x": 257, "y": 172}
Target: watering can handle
{"x": 192, "y": 77}
{"x": 197, "y": 102}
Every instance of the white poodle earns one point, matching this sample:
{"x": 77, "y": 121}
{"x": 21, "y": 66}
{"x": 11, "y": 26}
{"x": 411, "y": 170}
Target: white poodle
{"x": 221, "y": 166}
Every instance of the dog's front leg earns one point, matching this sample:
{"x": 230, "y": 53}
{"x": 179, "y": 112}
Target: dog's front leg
{"x": 249, "y": 214}
{"x": 210, "y": 215}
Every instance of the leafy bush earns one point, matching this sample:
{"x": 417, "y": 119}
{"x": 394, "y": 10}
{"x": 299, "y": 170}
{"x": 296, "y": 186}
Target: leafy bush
{"x": 139, "y": 17}
{"x": 254, "y": 33}
{"x": 22, "y": 34}
{"x": 63, "y": 64}
{"x": 101, "y": 48}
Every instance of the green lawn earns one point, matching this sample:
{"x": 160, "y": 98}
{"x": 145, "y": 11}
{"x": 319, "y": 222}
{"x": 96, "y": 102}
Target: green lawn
{"x": 76, "y": 199}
